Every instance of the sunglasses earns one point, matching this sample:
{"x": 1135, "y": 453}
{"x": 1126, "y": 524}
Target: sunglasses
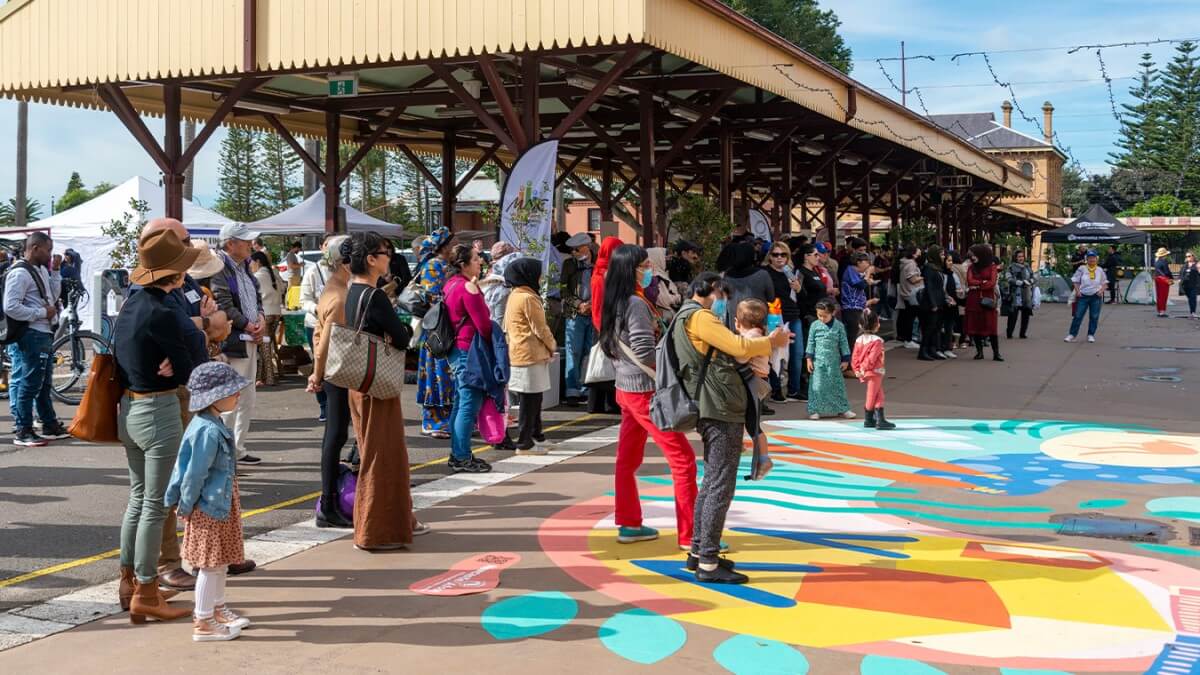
{"x": 387, "y": 252}
{"x": 779, "y": 255}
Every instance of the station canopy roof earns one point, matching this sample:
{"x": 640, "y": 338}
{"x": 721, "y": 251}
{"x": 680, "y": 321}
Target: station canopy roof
{"x": 703, "y": 64}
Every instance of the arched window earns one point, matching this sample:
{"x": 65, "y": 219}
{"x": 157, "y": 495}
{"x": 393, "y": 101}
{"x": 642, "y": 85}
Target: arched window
{"x": 1027, "y": 169}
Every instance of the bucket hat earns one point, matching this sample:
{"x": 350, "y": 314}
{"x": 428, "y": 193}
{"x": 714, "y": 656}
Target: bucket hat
{"x": 1162, "y": 252}
{"x": 161, "y": 254}
{"x": 210, "y": 382}
{"x": 207, "y": 263}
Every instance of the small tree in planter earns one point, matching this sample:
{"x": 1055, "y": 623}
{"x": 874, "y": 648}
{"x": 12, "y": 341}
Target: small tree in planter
{"x": 125, "y": 231}
{"x": 702, "y": 222}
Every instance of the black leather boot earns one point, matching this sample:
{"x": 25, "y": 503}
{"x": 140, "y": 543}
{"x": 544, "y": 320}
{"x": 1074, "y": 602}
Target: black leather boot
{"x": 869, "y": 419}
{"x": 881, "y": 422}
{"x": 996, "y": 348}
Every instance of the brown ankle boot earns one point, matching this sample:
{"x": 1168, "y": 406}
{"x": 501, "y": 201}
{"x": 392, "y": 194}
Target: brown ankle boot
{"x": 148, "y": 602}
{"x": 125, "y": 588}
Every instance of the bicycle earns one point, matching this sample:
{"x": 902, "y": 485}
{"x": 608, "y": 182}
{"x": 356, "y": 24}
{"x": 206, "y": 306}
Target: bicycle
{"x": 73, "y": 349}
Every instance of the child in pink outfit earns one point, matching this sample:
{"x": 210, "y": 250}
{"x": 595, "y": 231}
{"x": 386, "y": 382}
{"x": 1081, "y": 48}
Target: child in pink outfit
{"x": 868, "y": 365}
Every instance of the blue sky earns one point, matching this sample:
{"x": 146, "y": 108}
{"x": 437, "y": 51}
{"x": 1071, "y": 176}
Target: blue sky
{"x": 96, "y": 145}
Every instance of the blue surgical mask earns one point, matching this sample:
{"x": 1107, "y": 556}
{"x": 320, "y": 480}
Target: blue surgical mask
{"x": 718, "y": 308}
{"x": 647, "y": 277}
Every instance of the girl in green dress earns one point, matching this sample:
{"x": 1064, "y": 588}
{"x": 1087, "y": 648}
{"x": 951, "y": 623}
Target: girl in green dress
{"x": 828, "y": 355}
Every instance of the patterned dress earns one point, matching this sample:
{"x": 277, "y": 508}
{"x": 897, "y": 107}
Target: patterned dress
{"x": 828, "y": 348}
{"x": 208, "y": 542}
{"x": 435, "y": 381}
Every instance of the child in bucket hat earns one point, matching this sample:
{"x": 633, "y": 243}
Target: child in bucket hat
{"x": 204, "y": 486}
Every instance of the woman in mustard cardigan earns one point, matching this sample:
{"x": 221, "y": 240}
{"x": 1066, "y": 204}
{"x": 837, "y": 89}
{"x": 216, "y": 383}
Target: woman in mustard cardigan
{"x": 531, "y": 346}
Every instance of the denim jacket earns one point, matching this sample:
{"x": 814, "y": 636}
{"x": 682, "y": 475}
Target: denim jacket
{"x": 203, "y": 475}
{"x": 487, "y": 365}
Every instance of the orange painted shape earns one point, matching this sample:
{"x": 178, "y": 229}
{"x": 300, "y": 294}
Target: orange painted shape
{"x": 879, "y": 589}
{"x": 890, "y": 474}
{"x": 886, "y": 456}
{"x": 1033, "y": 555}
{"x": 477, "y": 574}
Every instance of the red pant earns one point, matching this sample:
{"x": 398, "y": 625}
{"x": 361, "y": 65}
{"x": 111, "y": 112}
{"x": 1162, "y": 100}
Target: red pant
{"x": 631, "y": 446}
{"x": 1162, "y": 289}
{"x": 874, "y": 392}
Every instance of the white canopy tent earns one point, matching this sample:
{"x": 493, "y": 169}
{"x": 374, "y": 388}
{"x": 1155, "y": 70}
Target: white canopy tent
{"x": 78, "y": 228}
{"x": 308, "y": 217}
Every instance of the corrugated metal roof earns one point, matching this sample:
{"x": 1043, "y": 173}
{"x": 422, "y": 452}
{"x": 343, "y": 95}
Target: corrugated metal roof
{"x": 983, "y": 131}
{"x": 53, "y": 50}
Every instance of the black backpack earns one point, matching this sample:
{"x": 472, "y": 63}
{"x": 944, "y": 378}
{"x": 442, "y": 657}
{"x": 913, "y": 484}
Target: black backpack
{"x": 440, "y": 333}
{"x": 11, "y": 329}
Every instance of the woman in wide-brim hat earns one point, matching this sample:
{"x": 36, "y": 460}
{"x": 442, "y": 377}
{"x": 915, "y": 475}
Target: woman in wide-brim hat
{"x": 1163, "y": 278}
{"x": 153, "y": 360}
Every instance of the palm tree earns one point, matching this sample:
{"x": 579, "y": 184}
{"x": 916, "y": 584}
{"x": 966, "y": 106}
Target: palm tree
{"x": 8, "y": 211}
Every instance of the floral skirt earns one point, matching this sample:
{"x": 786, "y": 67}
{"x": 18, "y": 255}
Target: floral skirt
{"x": 208, "y": 542}
{"x": 435, "y": 391}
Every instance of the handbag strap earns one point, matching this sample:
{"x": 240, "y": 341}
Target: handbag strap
{"x": 360, "y": 315}
{"x": 633, "y": 357}
{"x": 673, "y": 357}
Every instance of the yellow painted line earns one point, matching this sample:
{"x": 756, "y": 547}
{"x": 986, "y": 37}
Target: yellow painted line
{"x": 80, "y": 562}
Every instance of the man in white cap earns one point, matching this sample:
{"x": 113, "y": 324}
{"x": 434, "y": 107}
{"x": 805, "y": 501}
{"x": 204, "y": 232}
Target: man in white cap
{"x": 1089, "y": 281}
{"x": 237, "y": 295}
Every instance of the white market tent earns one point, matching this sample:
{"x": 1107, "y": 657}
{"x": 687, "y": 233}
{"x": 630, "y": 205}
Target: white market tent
{"x": 78, "y": 228}
{"x": 308, "y": 217}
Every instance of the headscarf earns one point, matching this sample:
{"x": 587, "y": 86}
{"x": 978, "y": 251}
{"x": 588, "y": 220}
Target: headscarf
{"x": 431, "y": 243}
{"x": 501, "y": 249}
{"x": 742, "y": 260}
{"x": 524, "y": 272}
{"x": 602, "y": 260}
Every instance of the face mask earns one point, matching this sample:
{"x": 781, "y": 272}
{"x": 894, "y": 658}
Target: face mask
{"x": 583, "y": 257}
{"x": 718, "y": 308}
{"x": 647, "y": 278}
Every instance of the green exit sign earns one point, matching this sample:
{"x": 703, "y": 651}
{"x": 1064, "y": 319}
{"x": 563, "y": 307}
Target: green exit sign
{"x": 343, "y": 85}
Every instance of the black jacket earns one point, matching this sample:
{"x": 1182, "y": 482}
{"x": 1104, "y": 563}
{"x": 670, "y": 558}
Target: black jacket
{"x": 935, "y": 288}
{"x": 146, "y": 332}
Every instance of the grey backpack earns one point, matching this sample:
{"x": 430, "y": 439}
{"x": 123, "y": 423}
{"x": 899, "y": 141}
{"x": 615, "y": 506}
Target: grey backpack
{"x": 671, "y": 408}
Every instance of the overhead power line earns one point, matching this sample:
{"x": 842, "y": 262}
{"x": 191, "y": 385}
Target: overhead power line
{"x": 1070, "y": 49}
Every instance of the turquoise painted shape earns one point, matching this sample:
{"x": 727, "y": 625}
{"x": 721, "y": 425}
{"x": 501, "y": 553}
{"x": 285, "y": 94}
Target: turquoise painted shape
{"x": 642, "y": 636}
{"x": 1100, "y": 504}
{"x": 887, "y": 665}
{"x": 1024, "y": 671}
{"x": 899, "y": 500}
{"x": 1183, "y": 508}
{"x": 1173, "y": 550}
{"x": 749, "y": 655}
{"x": 529, "y": 615}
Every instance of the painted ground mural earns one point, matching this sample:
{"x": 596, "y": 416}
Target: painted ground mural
{"x": 944, "y": 542}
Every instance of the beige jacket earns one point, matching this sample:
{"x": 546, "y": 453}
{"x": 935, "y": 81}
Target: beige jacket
{"x": 530, "y": 341}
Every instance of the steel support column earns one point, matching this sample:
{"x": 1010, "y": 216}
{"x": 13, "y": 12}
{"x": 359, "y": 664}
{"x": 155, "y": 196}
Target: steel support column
{"x": 333, "y": 123}
{"x": 449, "y": 179}
{"x": 726, "y": 172}
{"x": 172, "y": 148}
{"x": 646, "y": 170}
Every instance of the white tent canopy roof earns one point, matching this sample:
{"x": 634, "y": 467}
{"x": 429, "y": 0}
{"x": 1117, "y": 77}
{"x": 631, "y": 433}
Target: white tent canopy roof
{"x": 308, "y": 217}
{"x": 86, "y": 219}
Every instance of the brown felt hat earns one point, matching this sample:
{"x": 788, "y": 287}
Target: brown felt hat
{"x": 161, "y": 254}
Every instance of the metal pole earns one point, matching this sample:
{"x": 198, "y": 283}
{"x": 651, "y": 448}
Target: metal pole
{"x": 22, "y": 162}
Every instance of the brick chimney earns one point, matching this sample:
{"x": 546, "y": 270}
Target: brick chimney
{"x": 1006, "y": 108}
{"x": 1048, "y": 122}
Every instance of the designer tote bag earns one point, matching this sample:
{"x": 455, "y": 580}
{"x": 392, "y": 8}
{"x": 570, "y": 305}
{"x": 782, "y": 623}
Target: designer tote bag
{"x": 363, "y": 362}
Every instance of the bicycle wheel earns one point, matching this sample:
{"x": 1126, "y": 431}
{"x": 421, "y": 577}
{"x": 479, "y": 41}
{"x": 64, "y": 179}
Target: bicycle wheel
{"x": 73, "y": 354}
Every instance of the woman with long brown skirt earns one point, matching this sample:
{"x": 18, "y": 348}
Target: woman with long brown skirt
{"x": 383, "y": 517}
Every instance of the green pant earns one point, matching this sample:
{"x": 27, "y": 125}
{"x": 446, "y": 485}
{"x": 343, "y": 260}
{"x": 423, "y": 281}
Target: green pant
{"x": 151, "y": 430}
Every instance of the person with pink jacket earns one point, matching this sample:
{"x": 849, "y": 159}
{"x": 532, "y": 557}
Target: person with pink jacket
{"x": 867, "y": 362}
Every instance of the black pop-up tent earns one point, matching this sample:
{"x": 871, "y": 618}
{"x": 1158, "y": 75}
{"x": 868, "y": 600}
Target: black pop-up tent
{"x": 1098, "y": 226}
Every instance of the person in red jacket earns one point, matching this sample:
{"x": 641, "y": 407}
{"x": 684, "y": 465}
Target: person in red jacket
{"x": 867, "y": 362}
{"x": 602, "y": 396}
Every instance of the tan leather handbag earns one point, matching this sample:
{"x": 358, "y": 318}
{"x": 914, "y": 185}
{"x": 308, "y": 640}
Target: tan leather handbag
{"x": 363, "y": 362}
{"x": 96, "y": 419}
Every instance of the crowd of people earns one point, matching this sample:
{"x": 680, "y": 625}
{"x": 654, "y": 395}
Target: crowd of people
{"x": 776, "y": 321}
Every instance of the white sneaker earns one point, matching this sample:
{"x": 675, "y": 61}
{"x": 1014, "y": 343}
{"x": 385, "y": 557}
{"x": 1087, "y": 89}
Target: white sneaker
{"x": 950, "y": 355}
{"x": 848, "y": 415}
{"x": 911, "y": 345}
{"x": 814, "y": 417}
{"x": 537, "y": 450}
{"x": 1069, "y": 338}
{"x": 1091, "y": 338}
